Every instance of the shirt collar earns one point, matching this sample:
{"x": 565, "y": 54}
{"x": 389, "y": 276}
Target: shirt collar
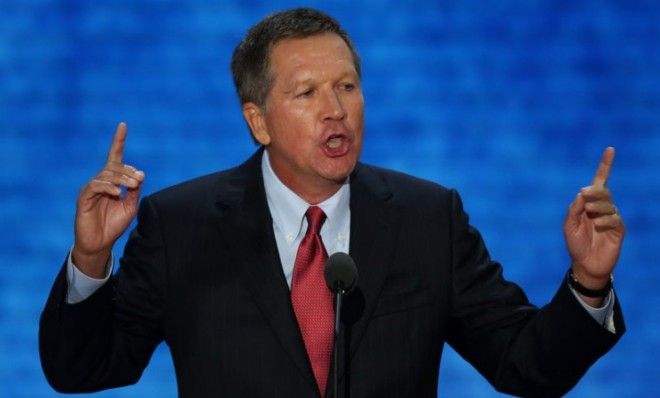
{"x": 288, "y": 209}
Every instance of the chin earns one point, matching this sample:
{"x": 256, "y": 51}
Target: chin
{"x": 339, "y": 171}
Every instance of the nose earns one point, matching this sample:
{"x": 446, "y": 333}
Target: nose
{"x": 332, "y": 107}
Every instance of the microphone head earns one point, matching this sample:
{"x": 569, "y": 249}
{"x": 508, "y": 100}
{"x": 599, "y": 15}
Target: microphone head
{"x": 340, "y": 273}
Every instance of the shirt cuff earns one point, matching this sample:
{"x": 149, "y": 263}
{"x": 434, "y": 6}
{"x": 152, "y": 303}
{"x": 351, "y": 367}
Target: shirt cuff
{"x": 81, "y": 286}
{"x": 604, "y": 315}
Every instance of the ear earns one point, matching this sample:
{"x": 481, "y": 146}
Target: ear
{"x": 255, "y": 119}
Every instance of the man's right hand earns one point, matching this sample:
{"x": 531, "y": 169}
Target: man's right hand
{"x": 102, "y": 213}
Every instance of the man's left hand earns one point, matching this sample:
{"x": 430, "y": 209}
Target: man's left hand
{"x": 594, "y": 230}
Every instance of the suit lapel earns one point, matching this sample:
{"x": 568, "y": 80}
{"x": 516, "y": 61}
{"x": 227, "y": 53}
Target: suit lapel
{"x": 374, "y": 229}
{"x": 247, "y": 223}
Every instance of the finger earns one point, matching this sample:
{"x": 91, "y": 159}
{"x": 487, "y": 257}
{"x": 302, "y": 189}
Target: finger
{"x": 596, "y": 193}
{"x": 609, "y": 223}
{"x": 595, "y": 209}
{"x": 118, "y": 179}
{"x": 125, "y": 169}
{"x": 97, "y": 186}
{"x": 116, "y": 154}
{"x": 603, "y": 172}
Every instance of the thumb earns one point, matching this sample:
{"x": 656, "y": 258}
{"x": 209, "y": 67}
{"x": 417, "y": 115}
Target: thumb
{"x": 575, "y": 211}
{"x": 131, "y": 199}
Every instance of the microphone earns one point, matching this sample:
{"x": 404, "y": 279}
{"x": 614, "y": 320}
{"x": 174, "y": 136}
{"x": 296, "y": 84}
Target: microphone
{"x": 340, "y": 273}
{"x": 341, "y": 276}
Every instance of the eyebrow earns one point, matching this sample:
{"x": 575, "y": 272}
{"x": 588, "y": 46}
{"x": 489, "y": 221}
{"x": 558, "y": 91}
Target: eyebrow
{"x": 292, "y": 86}
{"x": 310, "y": 81}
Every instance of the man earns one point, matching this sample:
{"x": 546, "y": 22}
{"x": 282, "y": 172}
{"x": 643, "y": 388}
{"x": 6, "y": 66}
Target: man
{"x": 227, "y": 268}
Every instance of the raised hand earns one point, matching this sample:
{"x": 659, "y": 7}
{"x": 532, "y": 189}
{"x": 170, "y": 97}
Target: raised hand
{"x": 102, "y": 212}
{"x": 594, "y": 229}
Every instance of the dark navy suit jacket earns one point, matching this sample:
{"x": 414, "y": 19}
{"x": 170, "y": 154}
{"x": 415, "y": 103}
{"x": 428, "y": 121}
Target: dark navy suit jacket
{"x": 202, "y": 273}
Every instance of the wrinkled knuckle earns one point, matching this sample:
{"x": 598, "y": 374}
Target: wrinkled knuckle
{"x": 132, "y": 182}
{"x": 104, "y": 173}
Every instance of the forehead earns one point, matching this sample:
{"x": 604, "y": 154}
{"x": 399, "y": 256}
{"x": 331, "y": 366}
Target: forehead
{"x": 310, "y": 54}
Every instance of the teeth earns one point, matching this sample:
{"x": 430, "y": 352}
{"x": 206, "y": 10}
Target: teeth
{"x": 334, "y": 143}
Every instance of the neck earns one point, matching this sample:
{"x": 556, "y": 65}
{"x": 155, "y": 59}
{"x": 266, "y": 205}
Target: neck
{"x": 313, "y": 189}
{"x": 312, "y": 192}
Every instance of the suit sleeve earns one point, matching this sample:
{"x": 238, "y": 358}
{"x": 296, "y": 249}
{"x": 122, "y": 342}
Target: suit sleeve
{"x": 107, "y": 340}
{"x": 519, "y": 348}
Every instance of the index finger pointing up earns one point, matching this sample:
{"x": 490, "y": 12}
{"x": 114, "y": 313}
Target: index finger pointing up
{"x": 603, "y": 172}
{"x": 116, "y": 154}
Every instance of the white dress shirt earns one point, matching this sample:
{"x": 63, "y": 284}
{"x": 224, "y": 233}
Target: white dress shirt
{"x": 290, "y": 225}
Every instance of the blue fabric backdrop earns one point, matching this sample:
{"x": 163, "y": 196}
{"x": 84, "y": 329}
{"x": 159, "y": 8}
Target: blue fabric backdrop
{"x": 511, "y": 102}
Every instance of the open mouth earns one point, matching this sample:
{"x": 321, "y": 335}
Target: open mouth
{"x": 334, "y": 142}
{"x": 337, "y": 145}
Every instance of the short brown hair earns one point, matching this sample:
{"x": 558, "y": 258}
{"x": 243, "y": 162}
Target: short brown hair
{"x": 250, "y": 61}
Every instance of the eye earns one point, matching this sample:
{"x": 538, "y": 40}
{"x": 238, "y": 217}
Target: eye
{"x": 306, "y": 93}
{"x": 348, "y": 86}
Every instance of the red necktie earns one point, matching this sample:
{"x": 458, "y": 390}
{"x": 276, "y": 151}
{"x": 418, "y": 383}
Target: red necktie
{"x": 311, "y": 298}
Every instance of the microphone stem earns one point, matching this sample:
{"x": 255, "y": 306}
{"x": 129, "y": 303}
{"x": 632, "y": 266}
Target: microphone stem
{"x": 339, "y": 296}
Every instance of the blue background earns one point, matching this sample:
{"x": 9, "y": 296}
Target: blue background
{"x": 511, "y": 102}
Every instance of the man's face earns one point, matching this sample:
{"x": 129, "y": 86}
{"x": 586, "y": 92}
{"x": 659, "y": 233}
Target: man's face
{"x": 314, "y": 115}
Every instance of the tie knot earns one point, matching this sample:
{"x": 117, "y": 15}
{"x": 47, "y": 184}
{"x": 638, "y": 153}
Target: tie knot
{"x": 315, "y": 219}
